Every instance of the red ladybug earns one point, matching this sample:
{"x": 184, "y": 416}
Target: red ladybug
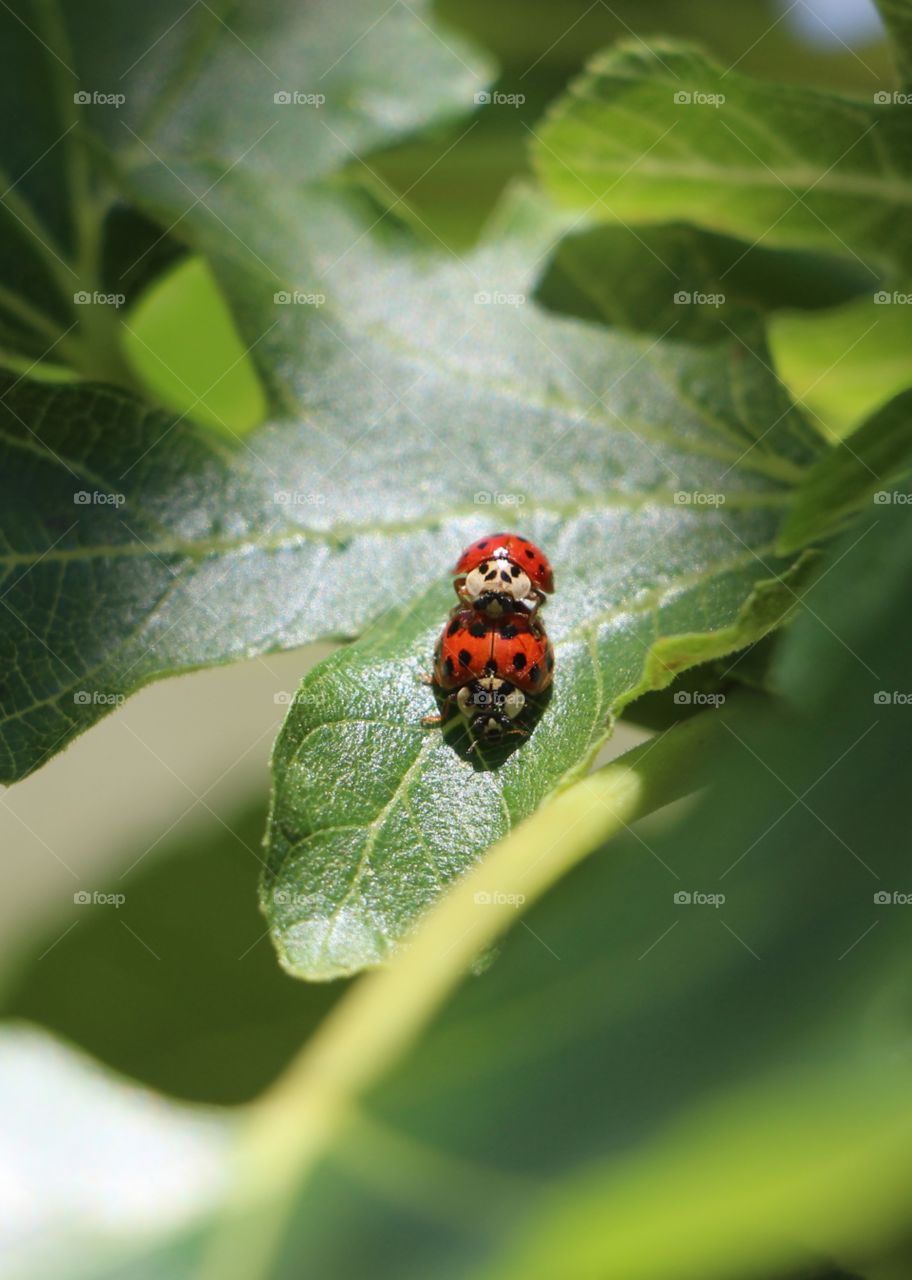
{"x": 487, "y": 666}
{"x": 503, "y": 572}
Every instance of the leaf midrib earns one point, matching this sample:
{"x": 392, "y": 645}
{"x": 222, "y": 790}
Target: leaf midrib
{"x": 342, "y": 535}
{"x": 803, "y": 179}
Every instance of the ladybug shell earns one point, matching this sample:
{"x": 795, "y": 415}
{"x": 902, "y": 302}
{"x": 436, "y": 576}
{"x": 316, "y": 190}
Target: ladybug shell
{"x": 511, "y": 647}
{"x": 508, "y": 546}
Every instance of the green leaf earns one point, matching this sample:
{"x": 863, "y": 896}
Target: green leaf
{"x": 842, "y": 365}
{"x": 651, "y": 134}
{"x": 642, "y": 1088}
{"x": 690, "y": 283}
{"x": 851, "y": 474}
{"x": 658, "y": 497}
{"x": 174, "y": 111}
{"x": 213, "y": 1022}
{"x": 182, "y": 550}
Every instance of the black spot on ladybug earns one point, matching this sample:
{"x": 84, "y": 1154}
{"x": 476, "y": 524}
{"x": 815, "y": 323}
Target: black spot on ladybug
{"x": 464, "y": 657}
{"x": 509, "y": 631}
{"x": 549, "y": 661}
{"x": 477, "y": 629}
{"x": 453, "y": 627}
{"x": 489, "y": 576}
{"x": 449, "y": 666}
{"x": 505, "y": 577}
{"x": 482, "y": 545}
{"x": 519, "y": 661}
{"x": 516, "y": 571}
{"x": 541, "y": 567}
{"x": 483, "y": 568}
{"x": 530, "y": 553}
{"x": 534, "y": 672}
{"x": 490, "y": 667}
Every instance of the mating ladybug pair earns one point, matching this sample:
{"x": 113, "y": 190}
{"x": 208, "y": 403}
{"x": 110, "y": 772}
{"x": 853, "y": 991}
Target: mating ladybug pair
{"x": 494, "y": 655}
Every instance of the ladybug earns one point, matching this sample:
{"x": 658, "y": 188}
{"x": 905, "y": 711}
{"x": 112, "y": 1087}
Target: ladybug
{"x": 503, "y": 572}
{"x": 487, "y": 667}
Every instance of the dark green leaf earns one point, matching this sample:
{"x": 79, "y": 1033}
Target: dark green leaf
{"x": 167, "y": 975}
{"x": 866, "y": 466}
{"x": 690, "y": 283}
{"x": 635, "y": 1076}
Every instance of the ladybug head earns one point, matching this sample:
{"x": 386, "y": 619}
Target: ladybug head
{"x": 496, "y": 586}
{"x": 490, "y": 705}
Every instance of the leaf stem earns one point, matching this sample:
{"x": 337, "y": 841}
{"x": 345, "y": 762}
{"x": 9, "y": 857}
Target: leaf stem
{"x": 291, "y": 1125}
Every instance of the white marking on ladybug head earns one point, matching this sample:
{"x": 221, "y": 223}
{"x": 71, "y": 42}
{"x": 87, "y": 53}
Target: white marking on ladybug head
{"x": 497, "y": 577}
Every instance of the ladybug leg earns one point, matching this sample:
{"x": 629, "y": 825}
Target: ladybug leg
{"x": 441, "y": 715}
{"x": 425, "y": 677}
